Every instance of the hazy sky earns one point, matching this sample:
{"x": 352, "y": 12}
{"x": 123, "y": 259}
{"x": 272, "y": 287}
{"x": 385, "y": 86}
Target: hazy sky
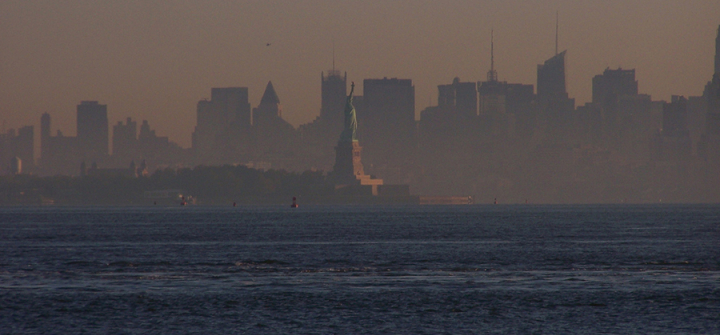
{"x": 155, "y": 59}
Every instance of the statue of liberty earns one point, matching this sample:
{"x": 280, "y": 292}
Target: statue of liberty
{"x": 349, "y": 133}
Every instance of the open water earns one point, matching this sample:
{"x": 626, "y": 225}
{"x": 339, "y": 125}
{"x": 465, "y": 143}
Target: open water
{"x": 361, "y": 270}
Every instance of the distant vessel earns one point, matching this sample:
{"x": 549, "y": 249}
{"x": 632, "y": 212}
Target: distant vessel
{"x": 294, "y": 204}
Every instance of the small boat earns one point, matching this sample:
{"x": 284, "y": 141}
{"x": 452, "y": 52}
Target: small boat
{"x": 294, "y": 203}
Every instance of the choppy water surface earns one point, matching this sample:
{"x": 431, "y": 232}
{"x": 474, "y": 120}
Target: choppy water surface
{"x": 454, "y": 270}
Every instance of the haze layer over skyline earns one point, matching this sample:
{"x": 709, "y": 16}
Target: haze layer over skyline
{"x": 155, "y": 60}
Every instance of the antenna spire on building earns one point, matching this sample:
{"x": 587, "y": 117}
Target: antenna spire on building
{"x": 557, "y": 25}
{"x": 717, "y": 53}
{"x": 492, "y": 74}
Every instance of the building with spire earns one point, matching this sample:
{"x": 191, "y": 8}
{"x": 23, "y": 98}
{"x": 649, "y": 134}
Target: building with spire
{"x": 709, "y": 146}
{"x": 274, "y": 139}
{"x": 554, "y": 105}
{"x": 717, "y": 53}
{"x": 318, "y": 136}
{"x": 504, "y": 109}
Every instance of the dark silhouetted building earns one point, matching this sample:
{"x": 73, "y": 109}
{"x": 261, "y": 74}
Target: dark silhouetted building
{"x": 234, "y": 105}
{"x": 92, "y": 130}
{"x": 388, "y": 127}
{"x": 717, "y": 53}
{"x": 275, "y": 140}
{"x": 612, "y": 84}
{"x": 318, "y": 136}
{"x": 333, "y": 92}
{"x": 553, "y": 102}
{"x": 627, "y": 120}
{"x": 223, "y": 129}
{"x": 551, "y": 78}
{"x": 709, "y": 146}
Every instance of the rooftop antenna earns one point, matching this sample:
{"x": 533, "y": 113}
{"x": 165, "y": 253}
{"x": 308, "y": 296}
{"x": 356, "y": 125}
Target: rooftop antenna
{"x": 492, "y": 74}
{"x": 557, "y": 25}
{"x": 333, "y": 55}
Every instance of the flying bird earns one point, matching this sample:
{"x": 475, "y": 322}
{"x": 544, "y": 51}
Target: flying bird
{"x": 267, "y": 45}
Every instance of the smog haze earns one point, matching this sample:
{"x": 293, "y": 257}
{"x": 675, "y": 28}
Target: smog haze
{"x": 155, "y": 59}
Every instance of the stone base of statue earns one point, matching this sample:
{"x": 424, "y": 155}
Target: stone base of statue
{"x": 348, "y": 173}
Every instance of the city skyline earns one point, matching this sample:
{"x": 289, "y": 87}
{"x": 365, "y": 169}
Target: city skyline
{"x": 58, "y": 60}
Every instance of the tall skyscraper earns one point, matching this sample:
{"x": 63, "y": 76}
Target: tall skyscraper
{"x": 318, "y": 136}
{"x": 333, "y": 91}
{"x": 554, "y": 105}
{"x": 551, "y": 78}
{"x": 717, "y": 53}
{"x": 274, "y": 138}
{"x": 92, "y": 130}
{"x": 709, "y": 146}
{"x": 504, "y": 109}
{"x": 388, "y": 126}
{"x": 712, "y": 93}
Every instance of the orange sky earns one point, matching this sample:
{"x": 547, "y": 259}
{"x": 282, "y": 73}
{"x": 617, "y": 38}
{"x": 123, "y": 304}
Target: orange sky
{"x": 155, "y": 59}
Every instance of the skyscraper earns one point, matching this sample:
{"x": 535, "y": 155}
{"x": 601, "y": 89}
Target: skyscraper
{"x": 608, "y": 90}
{"x": 388, "y": 126}
{"x": 274, "y": 138}
{"x": 717, "y": 53}
{"x": 712, "y": 93}
{"x": 333, "y": 91}
{"x": 92, "y": 130}
{"x": 318, "y": 136}
{"x": 553, "y": 102}
{"x": 551, "y": 78}
{"x": 234, "y": 105}
{"x": 709, "y": 147}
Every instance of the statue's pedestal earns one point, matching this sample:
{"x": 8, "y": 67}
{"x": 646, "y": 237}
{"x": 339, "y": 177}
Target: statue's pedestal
{"x": 348, "y": 171}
